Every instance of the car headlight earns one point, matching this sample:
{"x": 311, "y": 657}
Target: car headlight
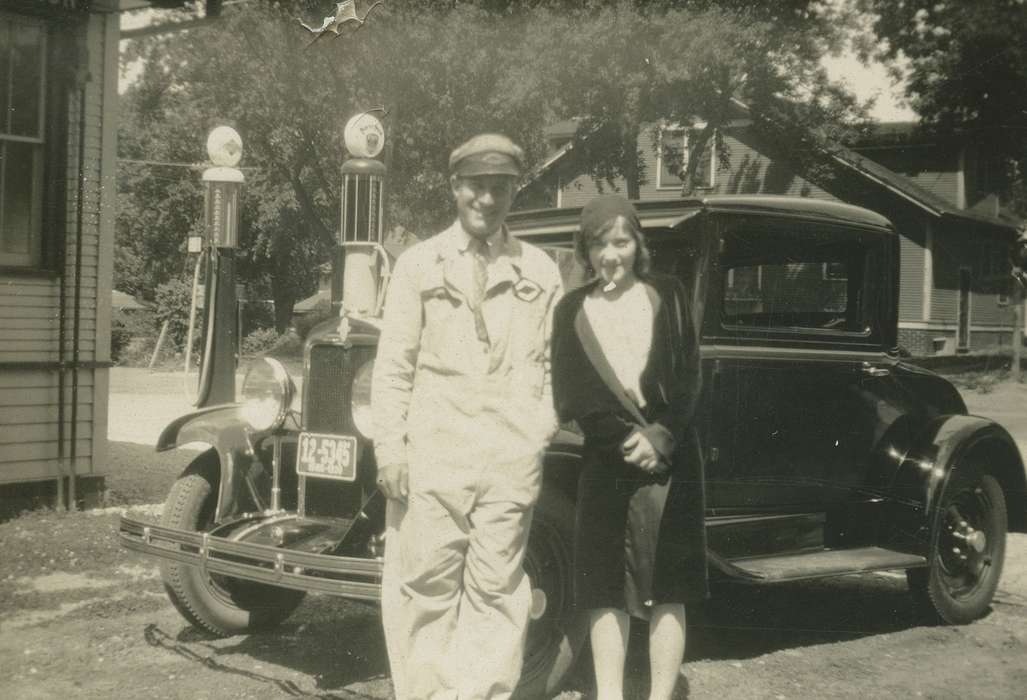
{"x": 267, "y": 393}
{"x": 360, "y": 400}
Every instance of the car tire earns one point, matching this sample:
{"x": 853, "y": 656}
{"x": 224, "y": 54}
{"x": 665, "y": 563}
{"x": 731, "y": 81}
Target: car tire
{"x": 221, "y": 605}
{"x": 967, "y": 551}
{"x": 557, "y": 634}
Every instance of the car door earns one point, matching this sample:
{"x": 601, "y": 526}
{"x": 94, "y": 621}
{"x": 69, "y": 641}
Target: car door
{"x": 792, "y": 337}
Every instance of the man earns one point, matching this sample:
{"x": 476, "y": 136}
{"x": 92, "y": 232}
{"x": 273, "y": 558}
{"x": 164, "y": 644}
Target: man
{"x": 463, "y": 408}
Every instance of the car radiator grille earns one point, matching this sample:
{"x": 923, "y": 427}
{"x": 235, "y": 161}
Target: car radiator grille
{"x": 326, "y": 409}
{"x": 327, "y": 388}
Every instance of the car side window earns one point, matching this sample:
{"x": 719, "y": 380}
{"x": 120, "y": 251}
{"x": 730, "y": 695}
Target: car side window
{"x": 796, "y": 280}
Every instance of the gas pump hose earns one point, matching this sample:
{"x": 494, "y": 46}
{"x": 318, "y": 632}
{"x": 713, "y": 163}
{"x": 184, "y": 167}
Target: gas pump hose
{"x": 203, "y": 386}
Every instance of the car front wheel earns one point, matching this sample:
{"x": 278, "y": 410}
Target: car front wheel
{"x": 967, "y": 550}
{"x": 555, "y": 632}
{"x": 221, "y": 605}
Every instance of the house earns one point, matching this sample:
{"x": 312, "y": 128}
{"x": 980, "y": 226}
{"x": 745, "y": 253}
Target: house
{"x": 955, "y": 287}
{"x": 58, "y": 153}
{"x": 57, "y": 139}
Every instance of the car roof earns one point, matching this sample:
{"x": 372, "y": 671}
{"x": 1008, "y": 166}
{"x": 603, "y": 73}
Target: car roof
{"x": 668, "y": 213}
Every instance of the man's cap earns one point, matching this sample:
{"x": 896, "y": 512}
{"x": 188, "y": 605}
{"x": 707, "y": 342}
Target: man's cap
{"x": 487, "y": 154}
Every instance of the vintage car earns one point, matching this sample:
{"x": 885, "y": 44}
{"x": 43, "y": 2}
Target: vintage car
{"x": 826, "y": 453}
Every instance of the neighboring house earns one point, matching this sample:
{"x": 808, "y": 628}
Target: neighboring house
{"x": 955, "y": 291}
{"x": 321, "y": 297}
{"x": 58, "y": 128}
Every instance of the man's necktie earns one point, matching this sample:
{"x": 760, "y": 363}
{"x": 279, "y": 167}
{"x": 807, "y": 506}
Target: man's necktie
{"x": 479, "y": 266}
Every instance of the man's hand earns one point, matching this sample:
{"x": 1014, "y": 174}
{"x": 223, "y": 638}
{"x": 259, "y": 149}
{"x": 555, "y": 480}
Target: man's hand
{"x": 392, "y": 480}
{"x": 639, "y": 451}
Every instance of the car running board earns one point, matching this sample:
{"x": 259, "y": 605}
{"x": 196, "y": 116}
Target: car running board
{"x": 827, "y": 562}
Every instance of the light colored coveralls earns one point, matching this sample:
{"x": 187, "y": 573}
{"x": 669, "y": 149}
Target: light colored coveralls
{"x": 470, "y": 418}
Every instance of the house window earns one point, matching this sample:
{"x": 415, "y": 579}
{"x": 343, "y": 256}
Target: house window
{"x": 22, "y": 89}
{"x": 672, "y": 158}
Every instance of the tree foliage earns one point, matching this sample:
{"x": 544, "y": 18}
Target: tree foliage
{"x": 441, "y": 72}
{"x": 624, "y": 66}
{"x": 967, "y": 70}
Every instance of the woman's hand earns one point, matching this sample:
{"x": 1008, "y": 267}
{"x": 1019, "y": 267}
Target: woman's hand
{"x": 639, "y": 451}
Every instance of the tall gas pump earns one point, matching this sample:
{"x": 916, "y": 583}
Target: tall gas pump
{"x": 360, "y": 292}
{"x": 217, "y": 255}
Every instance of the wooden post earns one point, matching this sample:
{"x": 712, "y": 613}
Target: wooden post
{"x": 1018, "y": 299}
{"x": 160, "y": 342}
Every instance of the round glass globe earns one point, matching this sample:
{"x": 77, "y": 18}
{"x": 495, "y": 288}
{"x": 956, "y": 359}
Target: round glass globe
{"x": 224, "y": 146}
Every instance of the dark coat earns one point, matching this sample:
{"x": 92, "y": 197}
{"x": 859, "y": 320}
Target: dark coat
{"x": 640, "y": 538}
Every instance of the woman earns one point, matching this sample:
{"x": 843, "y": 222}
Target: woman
{"x": 626, "y": 368}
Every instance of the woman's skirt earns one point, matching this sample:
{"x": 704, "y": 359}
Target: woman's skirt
{"x": 639, "y": 538}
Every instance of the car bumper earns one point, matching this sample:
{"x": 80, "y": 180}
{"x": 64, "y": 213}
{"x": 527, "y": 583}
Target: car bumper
{"x": 348, "y": 577}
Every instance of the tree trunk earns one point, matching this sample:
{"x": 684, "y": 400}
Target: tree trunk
{"x": 629, "y": 138}
{"x": 696, "y": 155}
{"x": 284, "y": 298}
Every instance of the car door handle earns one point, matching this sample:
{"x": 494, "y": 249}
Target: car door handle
{"x": 874, "y": 371}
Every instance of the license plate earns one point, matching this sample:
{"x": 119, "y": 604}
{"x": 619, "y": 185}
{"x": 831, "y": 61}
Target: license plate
{"x": 327, "y": 456}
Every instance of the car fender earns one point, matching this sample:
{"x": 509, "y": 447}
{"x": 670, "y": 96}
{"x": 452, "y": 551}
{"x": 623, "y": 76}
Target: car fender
{"x": 224, "y": 429}
{"x": 945, "y": 445}
{"x": 562, "y": 463}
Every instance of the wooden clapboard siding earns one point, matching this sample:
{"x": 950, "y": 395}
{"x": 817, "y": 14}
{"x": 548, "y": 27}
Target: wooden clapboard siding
{"x": 46, "y": 396}
{"x": 749, "y": 171}
{"x": 951, "y": 251}
{"x": 17, "y": 433}
{"x": 43, "y": 450}
{"x": 30, "y": 306}
{"x": 40, "y": 469}
{"x": 39, "y": 379}
{"x": 752, "y": 171}
{"x": 15, "y": 323}
{"x": 912, "y": 239}
{"x": 27, "y": 415}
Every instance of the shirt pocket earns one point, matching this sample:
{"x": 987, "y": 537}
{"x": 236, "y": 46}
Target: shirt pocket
{"x": 443, "y": 335}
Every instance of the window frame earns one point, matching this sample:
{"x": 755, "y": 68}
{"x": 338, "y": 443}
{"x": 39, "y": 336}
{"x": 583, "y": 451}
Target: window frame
{"x": 874, "y": 253}
{"x": 711, "y": 180}
{"x": 57, "y": 50}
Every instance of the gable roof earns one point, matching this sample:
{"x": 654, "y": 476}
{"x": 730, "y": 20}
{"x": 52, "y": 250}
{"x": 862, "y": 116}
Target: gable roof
{"x": 881, "y": 176}
{"x": 921, "y": 197}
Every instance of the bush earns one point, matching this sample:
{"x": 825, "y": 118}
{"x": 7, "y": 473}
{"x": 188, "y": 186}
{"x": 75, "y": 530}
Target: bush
{"x": 257, "y": 314}
{"x": 174, "y": 299}
{"x": 259, "y": 342}
{"x": 288, "y": 344}
{"x": 120, "y": 337}
{"x": 137, "y": 352}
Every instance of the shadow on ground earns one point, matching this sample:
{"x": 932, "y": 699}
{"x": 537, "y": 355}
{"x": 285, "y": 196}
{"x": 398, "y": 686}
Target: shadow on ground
{"x": 740, "y": 622}
{"x": 336, "y": 643}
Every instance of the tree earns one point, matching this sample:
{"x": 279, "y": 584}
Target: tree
{"x": 967, "y": 69}
{"x": 258, "y": 70}
{"x": 620, "y": 66}
{"x": 441, "y": 72}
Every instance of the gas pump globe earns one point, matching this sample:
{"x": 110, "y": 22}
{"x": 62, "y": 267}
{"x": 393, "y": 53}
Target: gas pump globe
{"x": 361, "y": 229}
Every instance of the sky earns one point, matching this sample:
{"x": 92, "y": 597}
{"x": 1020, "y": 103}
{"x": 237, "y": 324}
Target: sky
{"x": 870, "y": 81}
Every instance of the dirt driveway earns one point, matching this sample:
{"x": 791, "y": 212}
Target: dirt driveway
{"x": 79, "y": 617}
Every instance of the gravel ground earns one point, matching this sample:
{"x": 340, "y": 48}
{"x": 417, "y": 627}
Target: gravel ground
{"x": 81, "y": 617}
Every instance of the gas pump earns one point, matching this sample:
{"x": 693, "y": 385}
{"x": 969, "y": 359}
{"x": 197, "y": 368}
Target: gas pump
{"x": 216, "y": 384}
{"x": 360, "y": 292}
